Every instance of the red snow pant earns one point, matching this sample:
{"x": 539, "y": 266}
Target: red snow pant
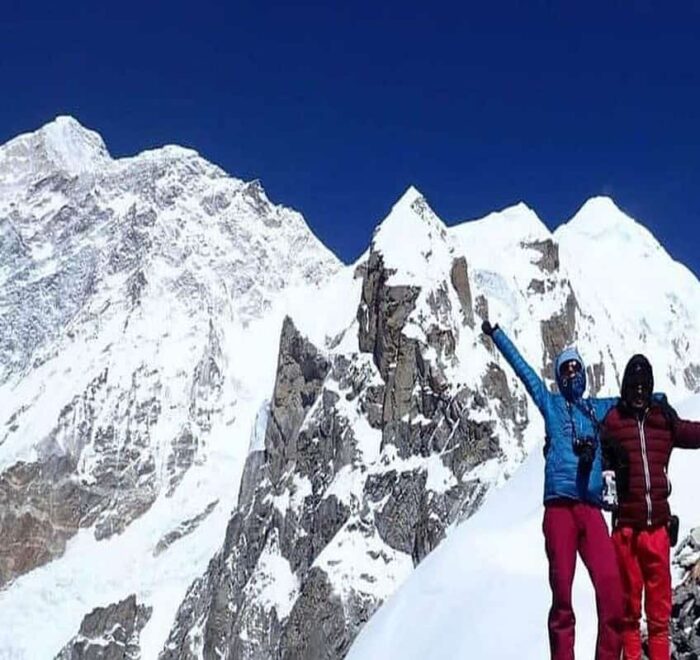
{"x": 645, "y": 565}
{"x": 572, "y": 527}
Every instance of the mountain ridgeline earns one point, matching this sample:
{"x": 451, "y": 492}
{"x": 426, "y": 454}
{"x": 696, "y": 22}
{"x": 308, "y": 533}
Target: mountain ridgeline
{"x": 218, "y": 441}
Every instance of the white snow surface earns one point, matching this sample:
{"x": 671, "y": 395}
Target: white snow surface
{"x": 483, "y": 593}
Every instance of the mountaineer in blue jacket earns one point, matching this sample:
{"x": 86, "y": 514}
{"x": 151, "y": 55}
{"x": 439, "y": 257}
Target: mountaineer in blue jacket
{"x": 573, "y": 486}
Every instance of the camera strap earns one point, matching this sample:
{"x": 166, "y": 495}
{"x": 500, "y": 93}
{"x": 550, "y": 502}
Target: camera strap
{"x": 587, "y": 409}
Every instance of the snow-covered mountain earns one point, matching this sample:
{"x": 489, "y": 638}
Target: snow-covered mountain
{"x": 138, "y": 338}
{"x": 216, "y": 440}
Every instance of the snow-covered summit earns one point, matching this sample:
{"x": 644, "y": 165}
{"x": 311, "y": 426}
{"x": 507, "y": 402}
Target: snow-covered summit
{"x": 507, "y": 227}
{"x": 601, "y": 220}
{"x": 63, "y": 144}
{"x": 65, "y": 148}
{"x": 598, "y": 215}
{"x": 81, "y": 230}
{"x": 413, "y": 240}
{"x": 72, "y": 145}
{"x": 627, "y": 282}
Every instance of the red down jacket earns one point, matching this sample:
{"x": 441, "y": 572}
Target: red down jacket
{"x": 639, "y": 450}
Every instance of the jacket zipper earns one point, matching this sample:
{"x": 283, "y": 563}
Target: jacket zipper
{"x": 645, "y": 463}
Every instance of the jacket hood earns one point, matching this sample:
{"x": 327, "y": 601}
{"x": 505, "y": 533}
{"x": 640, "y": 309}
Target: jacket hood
{"x": 638, "y": 369}
{"x": 568, "y": 354}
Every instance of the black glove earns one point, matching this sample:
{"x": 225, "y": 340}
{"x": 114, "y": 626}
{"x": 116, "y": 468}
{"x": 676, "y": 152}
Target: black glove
{"x": 488, "y": 329}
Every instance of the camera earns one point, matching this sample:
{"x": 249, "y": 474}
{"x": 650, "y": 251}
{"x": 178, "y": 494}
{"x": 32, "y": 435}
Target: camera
{"x": 584, "y": 448}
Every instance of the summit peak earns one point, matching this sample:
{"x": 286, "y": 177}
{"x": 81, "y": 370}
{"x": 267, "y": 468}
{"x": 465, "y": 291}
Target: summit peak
{"x": 410, "y": 215}
{"x": 598, "y": 215}
{"x": 69, "y": 144}
{"x": 411, "y": 195}
{"x": 63, "y": 143}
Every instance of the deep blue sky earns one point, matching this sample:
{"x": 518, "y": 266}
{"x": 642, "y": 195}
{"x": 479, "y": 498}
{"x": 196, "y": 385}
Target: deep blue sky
{"x": 338, "y": 108}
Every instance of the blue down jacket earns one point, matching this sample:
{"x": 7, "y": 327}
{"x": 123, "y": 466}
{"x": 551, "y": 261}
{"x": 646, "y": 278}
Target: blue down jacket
{"x": 564, "y": 420}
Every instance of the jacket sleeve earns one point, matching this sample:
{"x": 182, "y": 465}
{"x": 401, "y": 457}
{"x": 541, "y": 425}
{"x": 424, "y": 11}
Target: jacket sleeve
{"x": 686, "y": 434}
{"x": 601, "y": 407}
{"x": 533, "y": 383}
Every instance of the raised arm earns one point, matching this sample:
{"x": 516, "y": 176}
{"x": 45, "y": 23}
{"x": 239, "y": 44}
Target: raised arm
{"x": 533, "y": 383}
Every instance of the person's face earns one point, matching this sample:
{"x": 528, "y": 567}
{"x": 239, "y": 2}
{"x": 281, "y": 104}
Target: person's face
{"x": 638, "y": 395}
{"x": 569, "y": 369}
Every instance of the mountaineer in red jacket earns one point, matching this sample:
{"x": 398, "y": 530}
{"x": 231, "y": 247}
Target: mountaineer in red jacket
{"x": 638, "y": 436}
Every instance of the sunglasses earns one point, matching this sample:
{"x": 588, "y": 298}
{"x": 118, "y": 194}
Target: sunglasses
{"x": 569, "y": 368}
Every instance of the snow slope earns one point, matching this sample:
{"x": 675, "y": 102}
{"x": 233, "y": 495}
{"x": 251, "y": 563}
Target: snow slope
{"x": 483, "y": 593}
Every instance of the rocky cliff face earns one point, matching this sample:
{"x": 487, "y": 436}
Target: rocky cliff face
{"x": 109, "y": 633}
{"x": 374, "y": 445}
{"x": 685, "y": 615}
{"x": 332, "y": 514}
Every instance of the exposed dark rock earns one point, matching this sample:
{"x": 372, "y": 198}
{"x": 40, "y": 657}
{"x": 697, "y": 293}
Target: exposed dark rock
{"x": 46, "y": 502}
{"x": 691, "y": 377}
{"x": 510, "y": 407}
{"x": 109, "y": 633}
{"x": 317, "y": 624}
{"x": 327, "y": 446}
{"x": 558, "y": 332}
{"x": 536, "y": 286}
{"x": 596, "y": 377}
{"x": 428, "y": 533}
{"x": 135, "y": 286}
{"x": 439, "y": 303}
{"x": 549, "y": 261}
{"x": 182, "y": 456}
{"x": 301, "y": 370}
{"x": 329, "y": 516}
{"x": 360, "y": 271}
{"x": 373, "y": 405}
{"x": 442, "y": 341}
{"x": 474, "y": 444}
{"x": 183, "y": 529}
{"x": 685, "y": 612}
{"x": 400, "y": 383}
{"x": 382, "y": 314}
{"x": 255, "y": 195}
{"x": 207, "y": 382}
{"x": 42, "y": 505}
{"x": 685, "y": 621}
{"x": 481, "y": 308}
{"x": 459, "y": 277}
{"x": 396, "y": 520}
